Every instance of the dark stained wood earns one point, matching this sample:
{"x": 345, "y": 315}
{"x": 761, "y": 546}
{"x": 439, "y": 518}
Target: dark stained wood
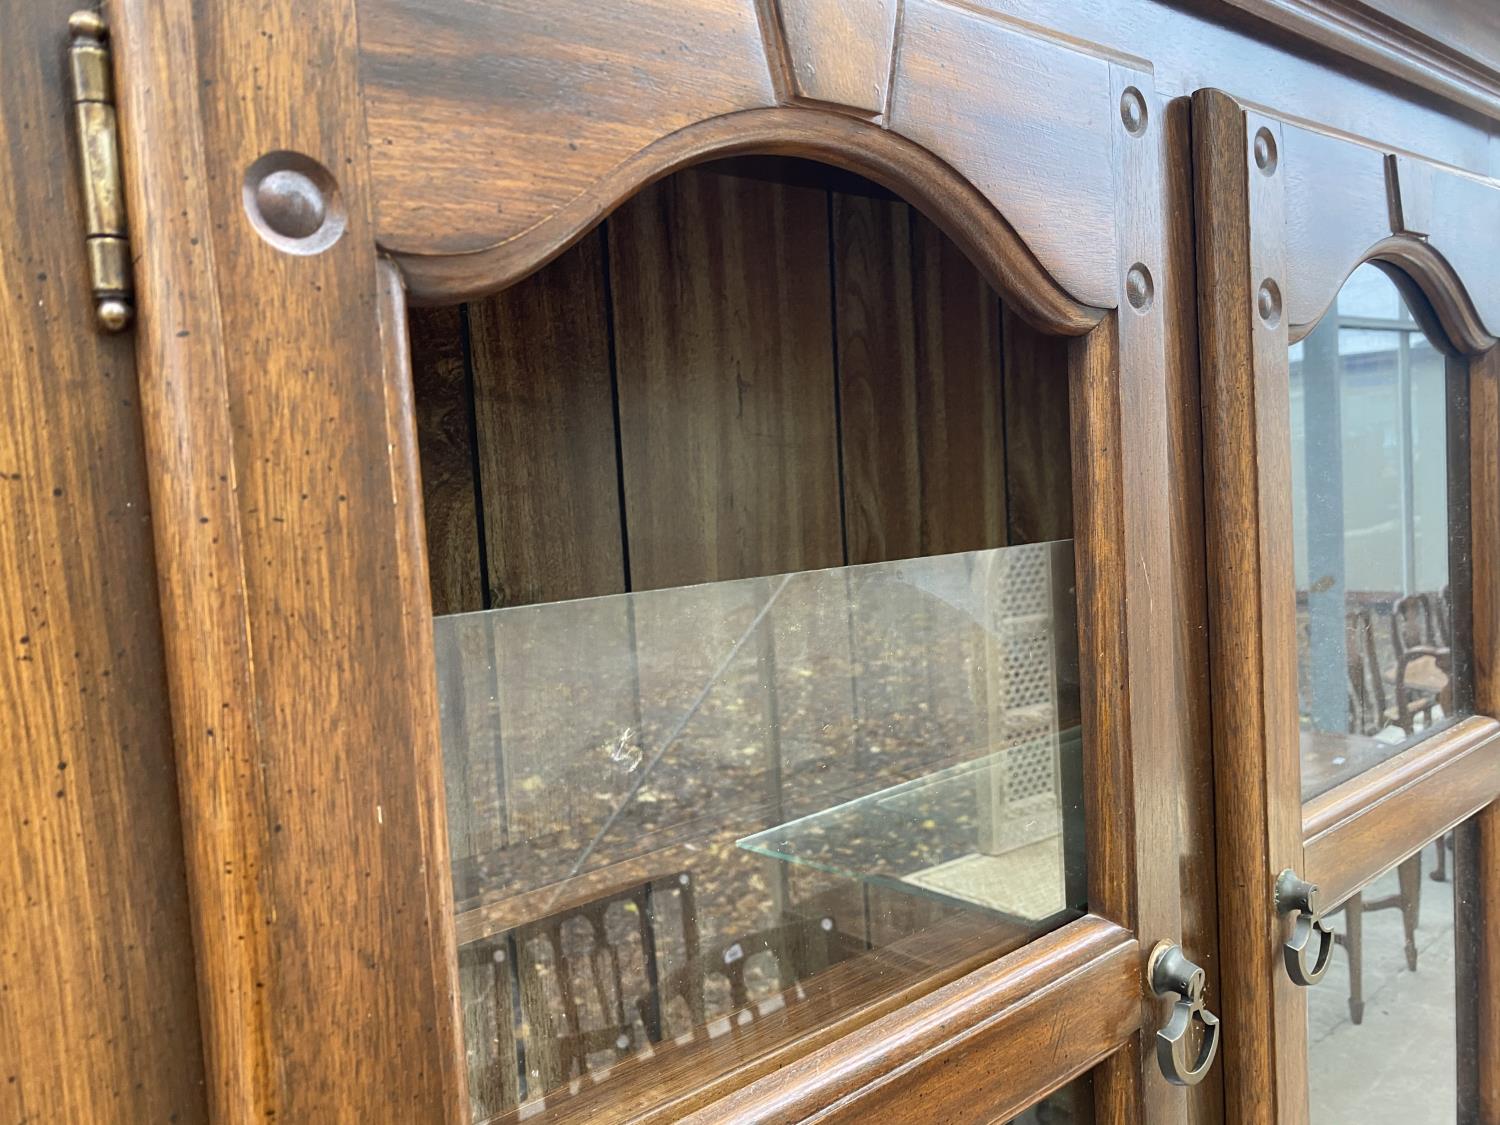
{"x": 727, "y": 428}
{"x": 98, "y": 1011}
{"x": 1098, "y": 501}
{"x": 1452, "y": 48}
{"x": 1122, "y": 531}
{"x": 637, "y": 94}
{"x": 1111, "y": 808}
{"x": 960, "y": 432}
{"x": 1479, "y": 869}
{"x": 1191, "y": 716}
{"x": 876, "y": 346}
{"x": 1360, "y": 828}
{"x": 691, "y": 1074}
{"x": 1196, "y": 47}
{"x": 1484, "y": 836}
{"x": 977, "y": 1050}
{"x": 1463, "y": 29}
{"x": 1038, "y": 453}
{"x": 1347, "y": 201}
{"x": 293, "y": 576}
{"x": 445, "y": 439}
{"x": 279, "y": 434}
{"x": 948, "y": 97}
{"x": 546, "y": 434}
{"x": 837, "y": 51}
{"x": 1484, "y": 528}
{"x": 1252, "y": 645}
{"x": 545, "y": 447}
{"x": 617, "y": 79}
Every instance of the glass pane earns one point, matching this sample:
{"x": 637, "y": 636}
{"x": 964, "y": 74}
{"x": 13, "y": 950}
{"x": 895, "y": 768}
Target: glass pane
{"x": 1370, "y": 417}
{"x": 692, "y": 826}
{"x": 1382, "y": 1045}
{"x": 1368, "y": 293}
{"x": 1072, "y": 1105}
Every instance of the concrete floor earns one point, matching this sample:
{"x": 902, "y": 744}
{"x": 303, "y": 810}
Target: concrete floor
{"x": 1398, "y": 1067}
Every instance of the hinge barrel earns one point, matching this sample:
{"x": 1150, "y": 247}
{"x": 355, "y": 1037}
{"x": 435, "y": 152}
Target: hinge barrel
{"x": 105, "y": 228}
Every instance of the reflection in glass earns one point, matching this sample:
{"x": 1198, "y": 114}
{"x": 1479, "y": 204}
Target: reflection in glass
{"x": 1370, "y": 416}
{"x": 1072, "y": 1105}
{"x": 690, "y": 826}
{"x": 1382, "y": 1040}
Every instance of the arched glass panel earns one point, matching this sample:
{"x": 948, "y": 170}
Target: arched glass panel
{"x": 757, "y": 642}
{"x": 1378, "y": 525}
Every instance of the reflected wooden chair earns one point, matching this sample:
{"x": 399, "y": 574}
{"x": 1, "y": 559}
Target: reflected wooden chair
{"x": 799, "y": 948}
{"x": 1423, "y": 659}
{"x": 1444, "y": 609}
{"x": 1370, "y": 709}
{"x": 1407, "y": 899}
{"x": 561, "y": 1000}
{"x": 543, "y": 1002}
{"x": 1369, "y": 714}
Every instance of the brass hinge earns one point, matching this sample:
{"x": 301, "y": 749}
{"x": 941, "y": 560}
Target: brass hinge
{"x": 106, "y": 233}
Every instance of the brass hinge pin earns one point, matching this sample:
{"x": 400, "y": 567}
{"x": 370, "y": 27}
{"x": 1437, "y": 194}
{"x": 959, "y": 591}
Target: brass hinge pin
{"x": 105, "y": 228}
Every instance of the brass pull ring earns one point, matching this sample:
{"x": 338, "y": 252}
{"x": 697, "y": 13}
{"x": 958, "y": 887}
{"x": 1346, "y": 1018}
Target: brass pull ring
{"x": 1171, "y": 973}
{"x": 1297, "y": 897}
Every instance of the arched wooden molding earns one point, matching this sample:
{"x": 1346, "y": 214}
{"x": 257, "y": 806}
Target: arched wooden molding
{"x": 501, "y": 130}
{"x": 924, "y": 181}
{"x": 1348, "y": 203}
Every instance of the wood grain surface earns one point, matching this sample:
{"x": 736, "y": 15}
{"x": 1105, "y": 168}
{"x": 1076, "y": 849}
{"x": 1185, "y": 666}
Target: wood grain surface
{"x": 279, "y": 438}
{"x": 727, "y": 425}
{"x": 977, "y": 1050}
{"x": 1347, "y": 202}
{"x": 875, "y": 341}
{"x": 442, "y": 385}
{"x": 545, "y": 434}
{"x": 960, "y": 429}
{"x": 626, "y": 97}
{"x": 1038, "y": 450}
{"x": 1252, "y": 645}
{"x": 838, "y": 51}
{"x": 1373, "y": 821}
{"x": 1192, "y": 715}
{"x": 98, "y": 1005}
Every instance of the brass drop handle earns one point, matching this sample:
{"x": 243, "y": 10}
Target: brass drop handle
{"x": 1297, "y": 897}
{"x": 1170, "y": 973}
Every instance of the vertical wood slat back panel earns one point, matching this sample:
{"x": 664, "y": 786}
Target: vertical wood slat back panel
{"x": 545, "y": 428}
{"x": 1038, "y": 453}
{"x": 446, "y": 445}
{"x": 727, "y": 423}
{"x": 958, "y": 398}
{"x": 923, "y": 439}
{"x": 877, "y": 363}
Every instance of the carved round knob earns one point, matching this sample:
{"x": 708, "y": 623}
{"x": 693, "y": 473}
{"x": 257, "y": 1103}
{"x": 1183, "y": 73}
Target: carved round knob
{"x": 1133, "y": 111}
{"x": 1265, "y": 150}
{"x": 291, "y": 204}
{"x": 1268, "y": 303}
{"x": 1140, "y": 290}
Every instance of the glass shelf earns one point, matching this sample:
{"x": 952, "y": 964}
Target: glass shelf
{"x": 945, "y": 835}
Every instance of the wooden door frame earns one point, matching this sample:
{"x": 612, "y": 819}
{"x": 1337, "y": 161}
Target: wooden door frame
{"x": 1285, "y": 214}
{"x": 280, "y": 443}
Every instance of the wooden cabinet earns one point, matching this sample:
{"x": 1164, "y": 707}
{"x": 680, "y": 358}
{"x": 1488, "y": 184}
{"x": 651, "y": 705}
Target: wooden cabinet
{"x": 759, "y": 561}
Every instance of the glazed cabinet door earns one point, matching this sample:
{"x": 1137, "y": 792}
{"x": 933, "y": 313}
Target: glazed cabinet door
{"x": 1352, "y": 491}
{"x": 678, "y": 538}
